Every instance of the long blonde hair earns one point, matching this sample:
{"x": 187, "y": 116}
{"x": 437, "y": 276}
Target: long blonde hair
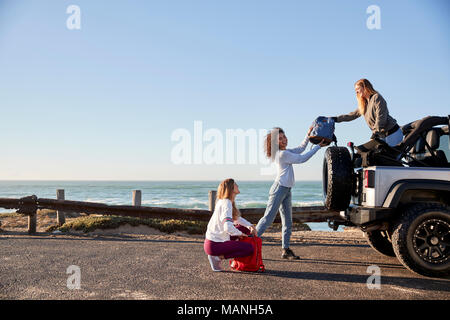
{"x": 362, "y": 102}
{"x": 225, "y": 191}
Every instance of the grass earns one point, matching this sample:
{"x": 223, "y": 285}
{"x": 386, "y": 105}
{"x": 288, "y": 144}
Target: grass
{"x": 47, "y": 218}
{"x": 16, "y": 221}
{"x": 91, "y": 223}
{"x": 10, "y": 215}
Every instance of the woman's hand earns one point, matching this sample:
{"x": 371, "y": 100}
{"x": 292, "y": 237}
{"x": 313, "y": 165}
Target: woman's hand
{"x": 253, "y": 231}
{"x": 242, "y": 236}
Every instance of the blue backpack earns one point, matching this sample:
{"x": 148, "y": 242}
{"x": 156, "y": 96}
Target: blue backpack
{"x": 323, "y": 129}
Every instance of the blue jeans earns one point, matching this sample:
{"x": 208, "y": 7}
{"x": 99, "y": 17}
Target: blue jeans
{"x": 280, "y": 198}
{"x": 395, "y": 138}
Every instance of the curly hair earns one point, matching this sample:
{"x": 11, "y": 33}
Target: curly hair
{"x": 272, "y": 140}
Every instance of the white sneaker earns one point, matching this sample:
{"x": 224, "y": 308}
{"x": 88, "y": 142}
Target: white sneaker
{"x": 215, "y": 263}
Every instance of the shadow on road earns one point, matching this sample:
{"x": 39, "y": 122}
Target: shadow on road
{"x": 341, "y": 263}
{"x": 330, "y": 243}
{"x": 127, "y": 238}
{"x": 412, "y": 283}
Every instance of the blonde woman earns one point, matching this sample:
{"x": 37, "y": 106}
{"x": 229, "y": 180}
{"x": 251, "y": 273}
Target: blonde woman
{"x": 373, "y": 107}
{"x": 225, "y": 226}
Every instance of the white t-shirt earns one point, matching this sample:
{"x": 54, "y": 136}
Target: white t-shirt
{"x": 285, "y": 158}
{"x": 221, "y": 226}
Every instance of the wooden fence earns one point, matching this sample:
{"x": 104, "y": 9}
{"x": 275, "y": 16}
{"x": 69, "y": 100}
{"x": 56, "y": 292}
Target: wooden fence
{"x": 29, "y": 205}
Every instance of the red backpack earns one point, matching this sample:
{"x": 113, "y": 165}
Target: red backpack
{"x": 252, "y": 263}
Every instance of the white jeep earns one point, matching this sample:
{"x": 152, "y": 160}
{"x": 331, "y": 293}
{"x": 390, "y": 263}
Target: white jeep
{"x": 399, "y": 196}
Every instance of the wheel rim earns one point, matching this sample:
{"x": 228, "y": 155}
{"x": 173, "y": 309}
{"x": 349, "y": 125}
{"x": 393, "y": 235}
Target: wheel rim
{"x": 432, "y": 241}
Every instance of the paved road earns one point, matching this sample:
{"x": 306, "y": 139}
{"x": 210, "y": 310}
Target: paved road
{"x": 175, "y": 267}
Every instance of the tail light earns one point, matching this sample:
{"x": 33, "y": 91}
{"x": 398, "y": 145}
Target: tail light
{"x": 369, "y": 179}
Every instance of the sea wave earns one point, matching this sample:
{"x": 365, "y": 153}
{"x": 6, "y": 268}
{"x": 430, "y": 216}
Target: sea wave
{"x": 180, "y": 203}
{"x": 110, "y": 201}
{"x": 307, "y": 203}
{"x": 188, "y": 195}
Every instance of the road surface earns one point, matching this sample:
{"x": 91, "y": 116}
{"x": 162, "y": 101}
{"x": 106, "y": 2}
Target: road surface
{"x": 333, "y": 265}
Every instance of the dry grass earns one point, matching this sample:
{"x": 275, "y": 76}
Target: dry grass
{"x": 19, "y": 222}
{"x": 46, "y": 222}
{"x": 91, "y": 223}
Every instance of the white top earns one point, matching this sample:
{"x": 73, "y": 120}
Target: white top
{"x": 285, "y": 158}
{"x": 221, "y": 226}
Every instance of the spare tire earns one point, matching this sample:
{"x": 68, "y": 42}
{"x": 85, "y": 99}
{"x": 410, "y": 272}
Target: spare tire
{"x": 337, "y": 178}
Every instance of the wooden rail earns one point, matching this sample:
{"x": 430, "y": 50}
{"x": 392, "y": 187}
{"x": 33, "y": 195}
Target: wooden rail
{"x": 29, "y": 206}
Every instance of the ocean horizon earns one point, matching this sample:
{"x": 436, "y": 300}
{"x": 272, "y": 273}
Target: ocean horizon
{"x": 187, "y": 194}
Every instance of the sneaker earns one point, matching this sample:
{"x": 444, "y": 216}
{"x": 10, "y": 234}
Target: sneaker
{"x": 288, "y": 253}
{"x": 215, "y": 263}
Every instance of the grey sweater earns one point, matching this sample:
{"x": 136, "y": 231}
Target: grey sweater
{"x": 377, "y": 116}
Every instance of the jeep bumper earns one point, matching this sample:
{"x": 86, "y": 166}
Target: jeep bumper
{"x": 361, "y": 215}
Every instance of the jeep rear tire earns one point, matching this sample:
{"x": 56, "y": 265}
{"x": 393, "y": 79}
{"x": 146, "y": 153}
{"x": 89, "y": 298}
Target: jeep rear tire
{"x": 379, "y": 241}
{"x": 337, "y": 178}
{"x": 421, "y": 239}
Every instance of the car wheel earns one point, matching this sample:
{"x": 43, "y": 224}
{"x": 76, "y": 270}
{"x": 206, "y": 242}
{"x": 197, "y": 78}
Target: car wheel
{"x": 421, "y": 239}
{"x": 380, "y": 242}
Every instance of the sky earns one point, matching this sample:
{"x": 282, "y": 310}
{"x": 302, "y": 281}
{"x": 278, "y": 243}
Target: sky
{"x": 102, "y": 102}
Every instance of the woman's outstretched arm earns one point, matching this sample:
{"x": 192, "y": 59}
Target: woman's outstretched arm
{"x": 348, "y": 117}
{"x": 287, "y": 156}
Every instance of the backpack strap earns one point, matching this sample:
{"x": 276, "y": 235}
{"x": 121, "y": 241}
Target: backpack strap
{"x": 334, "y": 139}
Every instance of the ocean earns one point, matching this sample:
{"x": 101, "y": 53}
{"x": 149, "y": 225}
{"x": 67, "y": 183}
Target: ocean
{"x": 170, "y": 194}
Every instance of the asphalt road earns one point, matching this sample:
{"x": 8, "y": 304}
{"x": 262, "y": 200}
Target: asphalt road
{"x": 175, "y": 267}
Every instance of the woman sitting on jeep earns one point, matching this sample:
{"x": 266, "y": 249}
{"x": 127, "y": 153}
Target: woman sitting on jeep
{"x": 374, "y": 109}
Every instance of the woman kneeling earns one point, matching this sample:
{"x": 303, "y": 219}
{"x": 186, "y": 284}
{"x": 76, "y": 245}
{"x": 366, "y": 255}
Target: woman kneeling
{"x": 225, "y": 227}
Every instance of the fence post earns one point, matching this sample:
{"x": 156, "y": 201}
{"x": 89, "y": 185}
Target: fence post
{"x": 32, "y": 222}
{"x": 137, "y": 198}
{"x": 212, "y": 200}
{"x": 60, "y": 216}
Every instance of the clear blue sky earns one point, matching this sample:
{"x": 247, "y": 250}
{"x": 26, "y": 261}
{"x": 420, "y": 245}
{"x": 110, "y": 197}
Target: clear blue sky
{"x": 101, "y": 103}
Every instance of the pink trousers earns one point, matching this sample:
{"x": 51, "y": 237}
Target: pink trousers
{"x": 229, "y": 249}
